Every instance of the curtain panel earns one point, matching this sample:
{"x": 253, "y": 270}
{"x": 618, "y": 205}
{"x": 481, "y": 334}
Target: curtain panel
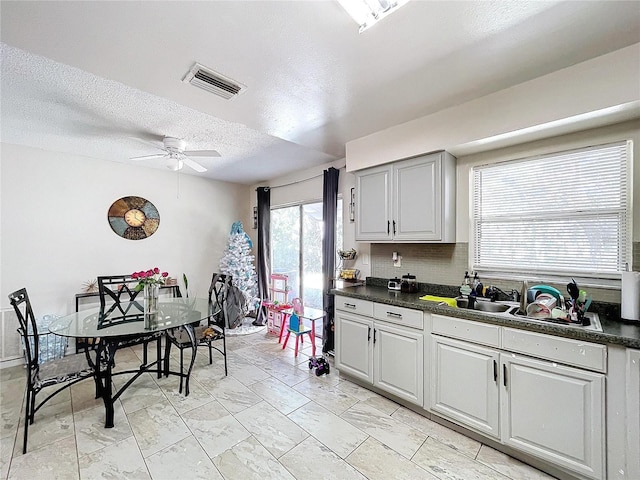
{"x": 264, "y": 249}
{"x": 329, "y": 214}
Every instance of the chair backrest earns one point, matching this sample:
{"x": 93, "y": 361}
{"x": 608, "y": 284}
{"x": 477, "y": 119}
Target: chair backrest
{"x": 230, "y": 299}
{"x": 217, "y": 293}
{"x": 297, "y": 305}
{"x": 28, "y": 328}
{"x": 118, "y": 290}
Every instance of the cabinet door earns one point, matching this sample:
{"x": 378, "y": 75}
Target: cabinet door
{"x": 372, "y": 204}
{"x": 464, "y": 384}
{"x": 417, "y": 194}
{"x": 354, "y": 345}
{"x": 398, "y": 361}
{"x": 633, "y": 413}
{"x": 555, "y": 413}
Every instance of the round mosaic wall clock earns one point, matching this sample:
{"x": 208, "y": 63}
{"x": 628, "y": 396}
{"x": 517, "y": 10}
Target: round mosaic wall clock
{"x": 133, "y": 218}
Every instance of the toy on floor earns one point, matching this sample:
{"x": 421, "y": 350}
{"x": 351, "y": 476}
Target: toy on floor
{"x": 320, "y": 364}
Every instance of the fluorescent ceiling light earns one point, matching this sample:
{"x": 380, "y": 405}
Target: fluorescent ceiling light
{"x": 368, "y": 12}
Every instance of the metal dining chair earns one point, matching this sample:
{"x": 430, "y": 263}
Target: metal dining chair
{"x": 117, "y": 292}
{"x": 207, "y": 333}
{"x": 65, "y": 371}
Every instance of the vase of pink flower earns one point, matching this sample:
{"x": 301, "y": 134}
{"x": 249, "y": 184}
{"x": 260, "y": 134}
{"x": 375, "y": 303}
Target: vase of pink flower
{"x": 149, "y": 282}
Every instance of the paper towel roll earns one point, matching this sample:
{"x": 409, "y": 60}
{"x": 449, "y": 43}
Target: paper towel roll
{"x": 630, "y": 309}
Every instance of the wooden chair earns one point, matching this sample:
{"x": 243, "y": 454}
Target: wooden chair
{"x": 64, "y": 371}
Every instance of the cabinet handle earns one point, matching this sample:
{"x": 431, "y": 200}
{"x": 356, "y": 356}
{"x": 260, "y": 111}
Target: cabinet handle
{"x": 504, "y": 374}
{"x": 369, "y": 335}
{"x": 388, "y": 227}
{"x": 394, "y": 227}
{"x": 374, "y": 336}
{"x": 349, "y": 305}
{"x": 495, "y": 371}
{"x": 393, "y": 314}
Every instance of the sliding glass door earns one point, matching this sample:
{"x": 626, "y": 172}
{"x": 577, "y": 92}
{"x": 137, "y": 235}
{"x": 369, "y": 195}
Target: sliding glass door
{"x": 296, "y": 248}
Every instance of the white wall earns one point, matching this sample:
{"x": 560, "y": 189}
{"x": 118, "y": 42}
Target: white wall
{"x": 306, "y": 186}
{"x": 612, "y": 80}
{"x": 56, "y": 236}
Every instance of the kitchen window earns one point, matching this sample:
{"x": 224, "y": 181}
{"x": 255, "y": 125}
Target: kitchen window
{"x": 550, "y": 217}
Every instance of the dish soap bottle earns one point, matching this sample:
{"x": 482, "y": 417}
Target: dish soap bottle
{"x": 465, "y": 288}
{"x": 477, "y": 286}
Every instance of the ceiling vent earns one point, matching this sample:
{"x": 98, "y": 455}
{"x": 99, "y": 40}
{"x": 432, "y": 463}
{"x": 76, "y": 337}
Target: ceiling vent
{"x": 206, "y": 79}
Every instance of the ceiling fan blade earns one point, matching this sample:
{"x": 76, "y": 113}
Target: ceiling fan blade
{"x": 195, "y": 165}
{"x": 150, "y": 140}
{"x": 148, "y": 157}
{"x": 202, "y": 153}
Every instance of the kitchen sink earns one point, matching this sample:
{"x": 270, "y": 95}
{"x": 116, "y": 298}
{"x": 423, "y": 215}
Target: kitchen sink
{"x": 484, "y": 305}
{"x": 594, "y": 320}
{"x": 513, "y": 310}
{"x": 493, "y": 307}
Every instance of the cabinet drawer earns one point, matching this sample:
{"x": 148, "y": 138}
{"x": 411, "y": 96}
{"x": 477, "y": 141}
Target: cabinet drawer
{"x": 475, "y": 332}
{"x": 398, "y": 315}
{"x": 354, "y": 305}
{"x": 587, "y": 355}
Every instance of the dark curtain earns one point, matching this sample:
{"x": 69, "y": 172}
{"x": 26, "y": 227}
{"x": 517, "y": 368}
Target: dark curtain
{"x": 264, "y": 249}
{"x": 329, "y": 213}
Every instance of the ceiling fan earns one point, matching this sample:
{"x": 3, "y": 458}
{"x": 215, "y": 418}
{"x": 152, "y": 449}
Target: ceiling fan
{"x": 174, "y": 148}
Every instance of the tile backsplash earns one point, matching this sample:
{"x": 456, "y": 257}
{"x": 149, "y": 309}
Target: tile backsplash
{"x": 431, "y": 263}
{"x": 445, "y": 264}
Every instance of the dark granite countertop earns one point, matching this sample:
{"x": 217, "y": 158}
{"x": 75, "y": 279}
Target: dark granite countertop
{"x": 614, "y": 330}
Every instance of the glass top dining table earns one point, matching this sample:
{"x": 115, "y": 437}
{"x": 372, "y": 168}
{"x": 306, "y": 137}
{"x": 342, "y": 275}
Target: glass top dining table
{"x": 116, "y": 326}
{"x": 127, "y": 320}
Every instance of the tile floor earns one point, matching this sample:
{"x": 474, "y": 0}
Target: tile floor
{"x": 271, "y": 418}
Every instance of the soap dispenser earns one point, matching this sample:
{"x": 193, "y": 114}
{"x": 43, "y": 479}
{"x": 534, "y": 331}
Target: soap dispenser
{"x": 465, "y": 288}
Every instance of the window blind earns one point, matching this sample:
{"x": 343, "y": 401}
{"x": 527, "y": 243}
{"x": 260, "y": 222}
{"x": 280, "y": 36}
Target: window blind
{"x": 564, "y": 214}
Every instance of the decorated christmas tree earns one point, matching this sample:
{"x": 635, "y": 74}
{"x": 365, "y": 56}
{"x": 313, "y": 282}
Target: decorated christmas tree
{"x": 238, "y": 262}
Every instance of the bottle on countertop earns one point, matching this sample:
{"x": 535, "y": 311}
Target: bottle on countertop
{"x": 477, "y": 286}
{"x": 465, "y": 288}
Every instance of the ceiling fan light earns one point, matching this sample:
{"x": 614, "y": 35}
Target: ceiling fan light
{"x": 175, "y": 164}
{"x": 366, "y": 13}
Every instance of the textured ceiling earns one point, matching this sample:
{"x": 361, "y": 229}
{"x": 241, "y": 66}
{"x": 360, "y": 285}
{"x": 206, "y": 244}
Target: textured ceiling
{"x": 103, "y": 79}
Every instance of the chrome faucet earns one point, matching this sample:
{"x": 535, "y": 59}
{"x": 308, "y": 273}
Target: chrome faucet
{"x": 523, "y": 297}
{"x": 493, "y": 292}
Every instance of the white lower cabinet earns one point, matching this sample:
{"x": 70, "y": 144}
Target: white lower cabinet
{"x": 555, "y": 413}
{"x": 353, "y": 345}
{"x": 398, "y": 361}
{"x": 550, "y": 411}
{"x": 633, "y": 413}
{"x": 386, "y": 355}
{"x": 464, "y": 384}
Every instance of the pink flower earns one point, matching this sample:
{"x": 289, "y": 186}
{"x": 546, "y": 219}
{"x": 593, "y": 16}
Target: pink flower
{"x": 149, "y": 277}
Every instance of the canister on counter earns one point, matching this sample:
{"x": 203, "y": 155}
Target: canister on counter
{"x": 409, "y": 284}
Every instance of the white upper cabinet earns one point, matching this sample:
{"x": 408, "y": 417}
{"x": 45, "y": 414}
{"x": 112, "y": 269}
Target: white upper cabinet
{"x": 373, "y": 207}
{"x": 412, "y": 200}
